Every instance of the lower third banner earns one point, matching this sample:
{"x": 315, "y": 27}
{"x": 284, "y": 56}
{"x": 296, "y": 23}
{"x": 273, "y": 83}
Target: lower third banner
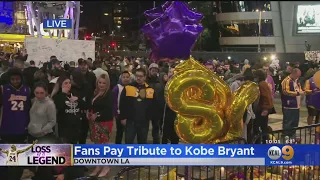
{"x": 35, "y": 155}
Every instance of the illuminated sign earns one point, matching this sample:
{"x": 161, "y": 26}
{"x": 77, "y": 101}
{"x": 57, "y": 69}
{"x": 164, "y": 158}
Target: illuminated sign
{"x": 6, "y": 12}
{"x": 57, "y": 24}
{"x": 43, "y": 32}
{"x": 308, "y": 20}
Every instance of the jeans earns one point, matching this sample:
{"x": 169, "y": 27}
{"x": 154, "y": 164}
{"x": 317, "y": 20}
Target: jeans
{"x": 139, "y": 129}
{"x": 290, "y": 121}
{"x": 156, "y": 131}
{"x": 261, "y": 122}
{"x": 84, "y": 130}
{"x": 120, "y": 131}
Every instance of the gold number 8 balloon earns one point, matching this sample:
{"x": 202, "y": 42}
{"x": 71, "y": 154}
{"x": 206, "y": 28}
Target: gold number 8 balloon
{"x": 207, "y": 111}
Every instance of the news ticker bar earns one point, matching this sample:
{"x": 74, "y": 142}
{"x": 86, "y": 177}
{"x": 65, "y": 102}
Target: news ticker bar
{"x": 181, "y": 154}
{"x": 169, "y": 161}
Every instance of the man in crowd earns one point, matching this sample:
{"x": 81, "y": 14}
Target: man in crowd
{"x": 153, "y": 80}
{"x": 90, "y": 86}
{"x": 99, "y": 71}
{"x": 291, "y": 102}
{"x": 15, "y": 102}
{"x": 114, "y": 75}
{"x": 28, "y": 73}
{"x": 117, "y": 90}
{"x": 137, "y": 103}
{"x": 209, "y": 66}
{"x": 4, "y": 75}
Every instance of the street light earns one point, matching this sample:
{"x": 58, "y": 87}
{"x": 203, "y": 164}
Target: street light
{"x": 259, "y": 23}
{"x": 229, "y": 57}
{"x": 106, "y": 14}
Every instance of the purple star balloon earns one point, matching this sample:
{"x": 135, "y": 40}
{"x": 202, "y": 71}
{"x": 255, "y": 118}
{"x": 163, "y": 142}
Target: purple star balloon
{"x": 156, "y": 12}
{"x": 173, "y": 30}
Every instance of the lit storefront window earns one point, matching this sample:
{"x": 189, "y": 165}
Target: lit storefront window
{"x": 243, "y": 6}
{"x": 246, "y": 28}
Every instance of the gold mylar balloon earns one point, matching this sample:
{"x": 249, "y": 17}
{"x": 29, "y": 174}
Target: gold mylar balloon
{"x": 316, "y": 79}
{"x": 207, "y": 112}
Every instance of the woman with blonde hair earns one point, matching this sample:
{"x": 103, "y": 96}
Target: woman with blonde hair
{"x": 100, "y": 116}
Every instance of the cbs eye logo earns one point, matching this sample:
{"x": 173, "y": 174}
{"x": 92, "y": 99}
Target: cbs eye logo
{"x": 286, "y": 152}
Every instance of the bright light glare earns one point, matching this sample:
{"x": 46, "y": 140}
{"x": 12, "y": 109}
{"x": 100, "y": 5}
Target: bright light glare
{"x": 273, "y": 57}
{"x": 229, "y": 57}
{"x": 265, "y": 58}
{"x": 106, "y": 14}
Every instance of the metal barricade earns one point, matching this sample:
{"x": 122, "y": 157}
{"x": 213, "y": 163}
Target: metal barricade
{"x": 303, "y": 135}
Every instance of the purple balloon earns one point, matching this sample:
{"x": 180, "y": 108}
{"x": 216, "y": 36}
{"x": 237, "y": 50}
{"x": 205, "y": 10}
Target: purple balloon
{"x": 181, "y": 11}
{"x": 174, "y": 32}
{"x": 156, "y": 12}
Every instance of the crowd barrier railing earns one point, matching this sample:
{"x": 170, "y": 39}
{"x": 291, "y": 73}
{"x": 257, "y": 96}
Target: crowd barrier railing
{"x": 304, "y": 135}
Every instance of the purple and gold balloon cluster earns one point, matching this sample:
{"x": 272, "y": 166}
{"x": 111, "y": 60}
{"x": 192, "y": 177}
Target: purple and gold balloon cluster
{"x": 173, "y": 29}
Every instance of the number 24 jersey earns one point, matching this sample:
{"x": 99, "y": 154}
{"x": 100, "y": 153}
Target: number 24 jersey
{"x": 15, "y": 109}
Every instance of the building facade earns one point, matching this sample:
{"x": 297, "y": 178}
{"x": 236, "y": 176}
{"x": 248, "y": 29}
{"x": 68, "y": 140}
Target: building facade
{"x": 269, "y": 26}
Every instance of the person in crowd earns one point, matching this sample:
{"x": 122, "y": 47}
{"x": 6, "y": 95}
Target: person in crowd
{"x": 209, "y": 66}
{"x": 89, "y": 87}
{"x": 53, "y": 77}
{"x": 99, "y": 71}
{"x": 5, "y": 65}
{"x": 72, "y": 66}
{"x": 249, "y": 115}
{"x": 114, "y": 75}
{"x": 28, "y": 74}
{"x": 265, "y": 106}
{"x": 15, "y": 103}
{"x": 56, "y": 65}
{"x": 42, "y": 115}
{"x": 66, "y": 69}
{"x": 90, "y": 64}
{"x": 287, "y": 71}
{"x": 236, "y": 68}
{"x": 311, "y": 93}
{"x": 246, "y": 65}
{"x": 153, "y": 80}
{"x": 40, "y": 76}
{"x": 291, "y": 102}
{"x": 237, "y": 82}
{"x": 159, "y": 89}
{"x": 270, "y": 81}
{"x": 117, "y": 90}
{"x": 77, "y": 84}
{"x": 100, "y": 116}
{"x": 137, "y": 103}
{"x": 166, "y": 114}
{"x": 40, "y": 128}
{"x": 69, "y": 108}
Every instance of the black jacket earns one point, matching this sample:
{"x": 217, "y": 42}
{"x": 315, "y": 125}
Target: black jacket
{"x": 28, "y": 74}
{"x": 89, "y": 86}
{"x": 102, "y": 106}
{"x": 68, "y": 114}
{"x": 138, "y": 103}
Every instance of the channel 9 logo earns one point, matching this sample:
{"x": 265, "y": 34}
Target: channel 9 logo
{"x": 275, "y": 153}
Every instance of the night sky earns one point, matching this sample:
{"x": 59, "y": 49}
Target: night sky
{"x": 92, "y": 9}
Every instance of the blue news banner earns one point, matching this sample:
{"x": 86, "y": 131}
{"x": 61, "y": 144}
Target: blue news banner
{"x": 196, "y": 155}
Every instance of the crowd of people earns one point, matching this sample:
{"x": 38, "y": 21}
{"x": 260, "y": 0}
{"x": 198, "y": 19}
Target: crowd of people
{"x": 64, "y": 103}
